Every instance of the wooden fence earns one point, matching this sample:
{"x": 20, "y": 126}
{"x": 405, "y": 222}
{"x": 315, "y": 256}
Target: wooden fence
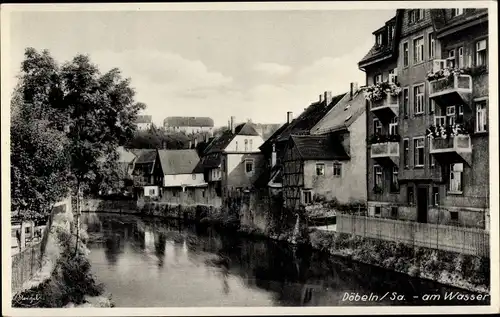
{"x": 448, "y": 238}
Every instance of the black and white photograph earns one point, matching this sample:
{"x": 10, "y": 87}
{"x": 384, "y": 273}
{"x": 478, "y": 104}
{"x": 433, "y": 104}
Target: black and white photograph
{"x": 250, "y": 158}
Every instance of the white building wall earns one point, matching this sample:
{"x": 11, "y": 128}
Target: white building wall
{"x": 238, "y": 143}
{"x": 183, "y": 179}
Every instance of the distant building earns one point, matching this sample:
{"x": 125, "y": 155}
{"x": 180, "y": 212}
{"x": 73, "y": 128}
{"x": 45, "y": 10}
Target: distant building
{"x": 143, "y": 173}
{"x": 189, "y": 125}
{"x": 233, "y": 159}
{"x": 144, "y": 122}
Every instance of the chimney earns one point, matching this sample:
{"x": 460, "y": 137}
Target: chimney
{"x": 289, "y": 117}
{"x": 189, "y": 146}
{"x": 195, "y": 142}
{"x": 232, "y": 124}
{"x": 321, "y": 98}
{"x": 328, "y": 97}
{"x": 164, "y": 145}
{"x": 351, "y": 92}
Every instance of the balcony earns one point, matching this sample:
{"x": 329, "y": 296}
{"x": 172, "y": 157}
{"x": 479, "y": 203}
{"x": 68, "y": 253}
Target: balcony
{"x": 451, "y": 90}
{"x": 385, "y": 152}
{"x": 386, "y": 108}
{"x": 455, "y": 149}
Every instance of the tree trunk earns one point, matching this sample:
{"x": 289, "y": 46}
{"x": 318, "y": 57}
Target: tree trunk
{"x": 77, "y": 217}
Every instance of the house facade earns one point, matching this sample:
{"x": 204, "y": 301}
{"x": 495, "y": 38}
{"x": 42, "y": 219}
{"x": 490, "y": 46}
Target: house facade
{"x": 428, "y": 155}
{"x": 178, "y": 175}
{"x": 144, "y": 122}
{"x": 189, "y": 125}
{"x": 274, "y": 147}
{"x": 143, "y": 178}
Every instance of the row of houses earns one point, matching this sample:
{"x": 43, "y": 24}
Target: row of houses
{"x": 187, "y": 125}
{"x": 413, "y": 141}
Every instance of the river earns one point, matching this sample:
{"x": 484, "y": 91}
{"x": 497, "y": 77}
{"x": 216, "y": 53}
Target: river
{"x": 160, "y": 263}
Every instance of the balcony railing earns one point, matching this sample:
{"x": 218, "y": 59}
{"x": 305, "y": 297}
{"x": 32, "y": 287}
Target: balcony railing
{"x": 390, "y": 102}
{"x": 458, "y": 143}
{"x": 385, "y": 149}
{"x": 450, "y": 84}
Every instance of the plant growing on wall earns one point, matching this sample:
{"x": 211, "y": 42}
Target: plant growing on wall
{"x": 382, "y": 138}
{"x": 446, "y": 131}
{"x": 381, "y": 90}
{"x": 377, "y": 189}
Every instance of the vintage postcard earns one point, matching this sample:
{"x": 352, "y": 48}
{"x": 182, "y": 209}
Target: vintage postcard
{"x": 250, "y": 158}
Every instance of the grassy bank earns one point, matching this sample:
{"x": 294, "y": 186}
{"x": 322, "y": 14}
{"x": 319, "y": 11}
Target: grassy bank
{"x": 70, "y": 283}
{"x": 450, "y": 268}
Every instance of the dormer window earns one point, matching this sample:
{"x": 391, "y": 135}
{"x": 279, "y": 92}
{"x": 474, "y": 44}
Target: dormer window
{"x": 378, "y": 39}
{"x": 456, "y": 12}
{"x": 391, "y": 32}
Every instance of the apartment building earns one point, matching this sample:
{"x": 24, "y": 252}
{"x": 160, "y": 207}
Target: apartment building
{"x": 427, "y": 118}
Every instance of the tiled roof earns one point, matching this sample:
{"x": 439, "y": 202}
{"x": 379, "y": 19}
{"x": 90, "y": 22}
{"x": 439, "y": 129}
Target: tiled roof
{"x": 319, "y": 147}
{"x": 188, "y": 122}
{"x": 146, "y": 156}
{"x": 178, "y": 161}
{"x": 245, "y": 129}
{"x": 211, "y": 160}
{"x": 306, "y": 120}
{"x": 143, "y": 119}
{"x": 343, "y": 114}
{"x": 126, "y": 156}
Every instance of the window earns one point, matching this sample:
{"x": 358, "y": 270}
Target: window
{"x": 394, "y": 212}
{"x": 377, "y": 210}
{"x": 377, "y": 126}
{"x": 450, "y": 115}
{"x": 406, "y": 153}
{"x": 194, "y": 176}
{"x": 391, "y": 32}
{"x": 439, "y": 120}
{"x": 203, "y": 193}
{"x": 378, "y": 175}
{"x": 320, "y": 169}
{"x": 456, "y": 171}
{"x": 377, "y": 79}
{"x": 410, "y": 195}
{"x": 481, "y": 117}
{"x": 456, "y": 12}
{"x": 412, "y": 16}
{"x": 406, "y": 101}
{"x": 481, "y": 53}
{"x": 406, "y": 54}
{"x": 454, "y": 215}
{"x": 337, "y": 169}
{"x": 460, "y": 117}
{"x": 246, "y": 145}
{"x": 151, "y": 192}
{"x": 249, "y": 166}
{"x": 432, "y": 46}
{"x": 460, "y": 53}
{"x": 418, "y": 145}
{"x": 378, "y": 39}
{"x": 418, "y": 99}
{"x": 394, "y": 179}
{"x": 432, "y": 162}
{"x": 418, "y": 50}
{"x": 451, "y": 58}
{"x": 432, "y": 106}
{"x": 435, "y": 196}
{"x": 307, "y": 197}
{"x": 393, "y": 126}
{"x": 393, "y": 75}
{"x": 251, "y": 144}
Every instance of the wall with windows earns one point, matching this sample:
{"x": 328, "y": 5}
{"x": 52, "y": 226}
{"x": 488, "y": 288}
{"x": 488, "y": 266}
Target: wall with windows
{"x": 241, "y": 170}
{"x": 245, "y": 143}
{"x": 183, "y": 179}
{"x": 468, "y": 186}
{"x": 342, "y": 180}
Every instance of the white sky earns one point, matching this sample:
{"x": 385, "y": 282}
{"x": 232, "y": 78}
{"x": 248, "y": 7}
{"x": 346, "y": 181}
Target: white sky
{"x": 251, "y": 64}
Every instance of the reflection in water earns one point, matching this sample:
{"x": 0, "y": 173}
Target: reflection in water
{"x": 198, "y": 266}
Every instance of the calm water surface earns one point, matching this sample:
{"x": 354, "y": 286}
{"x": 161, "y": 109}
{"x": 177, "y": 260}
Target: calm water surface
{"x": 158, "y": 263}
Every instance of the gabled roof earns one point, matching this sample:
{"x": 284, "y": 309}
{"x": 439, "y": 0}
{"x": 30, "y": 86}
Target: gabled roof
{"x": 389, "y": 50}
{"x": 125, "y": 156}
{"x": 343, "y": 114}
{"x": 143, "y": 119}
{"x": 319, "y": 147}
{"x": 445, "y": 25}
{"x": 146, "y": 156}
{"x": 212, "y": 160}
{"x": 188, "y": 122}
{"x": 174, "y": 162}
{"x": 220, "y": 143}
{"x": 305, "y": 121}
